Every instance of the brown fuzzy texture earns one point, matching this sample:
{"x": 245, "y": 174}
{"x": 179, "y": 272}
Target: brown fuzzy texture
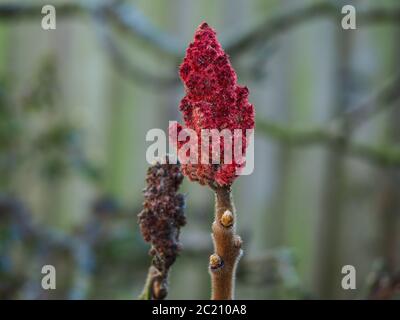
{"x": 160, "y": 222}
{"x": 227, "y": 246}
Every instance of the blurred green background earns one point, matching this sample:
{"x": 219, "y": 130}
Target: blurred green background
{"x": 76, "y": 104}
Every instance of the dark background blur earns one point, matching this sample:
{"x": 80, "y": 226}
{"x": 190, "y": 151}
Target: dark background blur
{"x": 76, "y": 104}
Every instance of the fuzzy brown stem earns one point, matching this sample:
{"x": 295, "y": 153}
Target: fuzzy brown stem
{"x": 227, "y": 246}
{"x": 155, "y": 287}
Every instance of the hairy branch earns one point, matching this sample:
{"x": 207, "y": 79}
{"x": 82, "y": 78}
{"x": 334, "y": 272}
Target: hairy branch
{"x": 227, "y": 246}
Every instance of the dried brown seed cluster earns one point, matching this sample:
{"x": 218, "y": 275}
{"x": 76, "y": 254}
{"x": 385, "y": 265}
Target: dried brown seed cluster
{"x": 163, "y": 213}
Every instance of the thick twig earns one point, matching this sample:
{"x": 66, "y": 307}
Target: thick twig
{"x": 227, "y": 246}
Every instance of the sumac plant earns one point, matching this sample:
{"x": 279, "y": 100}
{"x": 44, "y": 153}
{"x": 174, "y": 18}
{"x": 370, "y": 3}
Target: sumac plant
{"x": 213, "y": 100}
{"x": 160, "y": 222}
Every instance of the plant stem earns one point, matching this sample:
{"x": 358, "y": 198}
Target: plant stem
{"x": 227, "y": 246}
{"x": 154, "y": 287}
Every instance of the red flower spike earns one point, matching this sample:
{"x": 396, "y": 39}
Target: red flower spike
{"x": 213, "y": 100}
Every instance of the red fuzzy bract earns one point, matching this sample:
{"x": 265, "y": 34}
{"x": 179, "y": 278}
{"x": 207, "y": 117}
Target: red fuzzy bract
{"x": 213, "y": 100}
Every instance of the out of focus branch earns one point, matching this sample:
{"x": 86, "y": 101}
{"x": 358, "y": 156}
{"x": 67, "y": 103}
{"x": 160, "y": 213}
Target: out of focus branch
{"x": 128, "y": 18}
{"x": 383, "y": 156}
{"x": 45, "y": 240}
{"x": 380, "y": 100}
{"x": 104, "y": 12}
{"x": 124, "y": 15}
{"x": 121, "y": 61}
{"x": 330, "y": 135}
{"x": 279, "y": 24}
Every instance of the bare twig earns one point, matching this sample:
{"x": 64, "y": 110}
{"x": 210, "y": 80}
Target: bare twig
{"x": 379, "y": 101}
{"x": 289, "y": 20}
{"x": 127, "y": 17}
{"x": 121, "y": 62}
{"x": 331, "y": 135}
{"x": 227, "y": 246}
{"x": 382, "y": 156}
{"x": 102, "y": 13}
{"x": 123, "y": 15}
